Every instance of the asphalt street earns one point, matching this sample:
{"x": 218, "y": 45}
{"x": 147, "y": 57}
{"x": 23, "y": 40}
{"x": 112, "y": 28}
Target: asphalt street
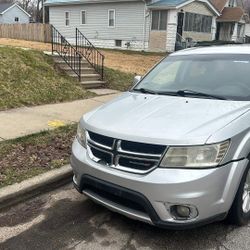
{"x": 64, "y": 219}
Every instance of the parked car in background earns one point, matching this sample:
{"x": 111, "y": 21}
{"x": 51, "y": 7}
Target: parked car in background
{"x": 174, "y": 150}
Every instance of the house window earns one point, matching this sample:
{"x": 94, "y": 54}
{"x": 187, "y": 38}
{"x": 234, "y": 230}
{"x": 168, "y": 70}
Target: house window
{"x": 197, "y": 23}
{"x": 239, "y": 29}
{"x": 231, "y": 3}
{"x": 159, "y": 20}
{"x": 118, "y": 43}
{"x": 83, "y": 17}
{"x": 17, "y": 19}
{"x": 66, "y": 18}
{"x": 111, "y": 18}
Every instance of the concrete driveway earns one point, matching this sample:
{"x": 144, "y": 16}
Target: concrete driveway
{"x": 64, "y": 219}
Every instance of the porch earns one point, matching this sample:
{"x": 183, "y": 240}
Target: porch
{"x": 231, "y": 25}
{"x": 170, "y": 28}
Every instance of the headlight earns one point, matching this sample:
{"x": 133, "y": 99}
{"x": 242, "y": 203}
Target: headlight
{"x": 195, "y": 156}
{"x": 81, "y": 135}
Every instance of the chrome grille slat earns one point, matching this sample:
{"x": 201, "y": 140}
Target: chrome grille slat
{"x": 107, "y": 142}
{"x": 135, "y": 162}
{"x": 138, "y": 154}
{"x": 98, "y": 144}
{"x": 95, "y": 158}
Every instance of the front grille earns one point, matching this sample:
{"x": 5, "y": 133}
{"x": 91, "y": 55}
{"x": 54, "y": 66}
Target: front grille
{"x": 103, "y": 156}
{"x": 101, "y": 139}
{"x": 125, "y": 155}
{"x": 136, "y": 163}
{"x": 142, "y": 147}
{"x": 113, "y": 195}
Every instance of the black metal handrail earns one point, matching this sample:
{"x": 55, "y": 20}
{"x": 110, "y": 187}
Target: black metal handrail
{"x": 90, "y": 52}
{"x": 66, "y": 51}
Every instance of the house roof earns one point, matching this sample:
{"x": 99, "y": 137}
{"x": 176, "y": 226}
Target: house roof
{"x": 219, "y": 4}
{"x": 4, "y": 6}
{"x": 156, "y": 4}
{"x": 67, "y": 2}
{"x": 180, "y": 3}
{"x": 230, "y": 14}
{"x": 168, "y": 3}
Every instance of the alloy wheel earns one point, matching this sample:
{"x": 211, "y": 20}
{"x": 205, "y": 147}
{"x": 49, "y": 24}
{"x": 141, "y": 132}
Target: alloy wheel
{"x": 246, "y": 194}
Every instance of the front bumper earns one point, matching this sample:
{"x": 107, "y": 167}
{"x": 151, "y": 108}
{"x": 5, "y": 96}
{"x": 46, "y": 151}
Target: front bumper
{"x": 146, "y": 197}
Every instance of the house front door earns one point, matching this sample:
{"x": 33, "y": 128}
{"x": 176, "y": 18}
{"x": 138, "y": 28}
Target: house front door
{"x": 217, "y": 36}
{"x": 180, "y": 23}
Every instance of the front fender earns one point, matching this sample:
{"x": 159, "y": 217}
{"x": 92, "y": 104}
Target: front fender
{"x": 238, "y": 132}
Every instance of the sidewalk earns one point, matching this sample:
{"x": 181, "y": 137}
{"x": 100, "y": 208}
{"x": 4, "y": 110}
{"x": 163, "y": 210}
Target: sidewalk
{"x": 23, "y": 121}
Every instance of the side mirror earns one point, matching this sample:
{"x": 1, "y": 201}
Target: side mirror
{"x": 137, "y": 79}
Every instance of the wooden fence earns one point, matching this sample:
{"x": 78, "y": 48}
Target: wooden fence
{"x": 30, "y": 31}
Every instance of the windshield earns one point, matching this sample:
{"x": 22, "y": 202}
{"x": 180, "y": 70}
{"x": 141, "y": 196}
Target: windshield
{"x": 200, "y": 76}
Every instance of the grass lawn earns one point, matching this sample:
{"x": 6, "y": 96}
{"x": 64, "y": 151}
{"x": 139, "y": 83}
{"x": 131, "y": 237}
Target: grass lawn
{"x": 133, "y": 62}
{"x": 28, "y": 77}
{"x": 129, "y": 61}
{"x": 31, "y": 155}
{"x": 117, "y": 79}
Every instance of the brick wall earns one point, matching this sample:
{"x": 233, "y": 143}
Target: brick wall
{"x": 157, "y": 41}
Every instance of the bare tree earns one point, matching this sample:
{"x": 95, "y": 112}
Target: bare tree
{"x": 25, "y": 4}
{"x": 33, "y": 7}
{"x": 39, "y": 10}
{"x": 246, "y": 4}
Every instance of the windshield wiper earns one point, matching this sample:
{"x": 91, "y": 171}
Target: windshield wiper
{"x": 183, "y": 93}
{"x": 149, "y": 91}
{"x": 146, "y": 91}
{"x": 188, "y": 92}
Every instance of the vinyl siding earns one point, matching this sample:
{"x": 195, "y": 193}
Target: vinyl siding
{"x": 247, "y": 31}
{"x": 129, "y": 20}
{"x": 9, "y": 16}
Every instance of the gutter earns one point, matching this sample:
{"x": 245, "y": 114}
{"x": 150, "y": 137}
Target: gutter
{"x": 78, "y": 2}
{"x": 144, "y": 23}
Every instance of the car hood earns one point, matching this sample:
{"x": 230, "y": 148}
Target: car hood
{"x": 163, "y": 119}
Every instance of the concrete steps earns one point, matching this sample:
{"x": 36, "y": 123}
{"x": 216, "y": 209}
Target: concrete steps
{"x": 89, "y": 77}
{"x": 86, "y": 70}
{"x": 92, "y": 84}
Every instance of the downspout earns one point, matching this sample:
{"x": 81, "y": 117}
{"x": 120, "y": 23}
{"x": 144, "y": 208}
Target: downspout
{"x": 144, "y": 24}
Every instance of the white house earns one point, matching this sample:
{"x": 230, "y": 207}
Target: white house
{"x": 13, "y": 13}
{"x": 247, "y": 30}
{"x": 151, "y": 25}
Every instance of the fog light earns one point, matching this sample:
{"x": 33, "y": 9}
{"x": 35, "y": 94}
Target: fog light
{"x": 183, "y": 212}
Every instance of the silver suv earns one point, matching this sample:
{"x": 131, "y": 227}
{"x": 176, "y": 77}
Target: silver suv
{"x": 174, "y": 150}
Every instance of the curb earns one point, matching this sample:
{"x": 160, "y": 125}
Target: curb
{"x": 26, "y": 189}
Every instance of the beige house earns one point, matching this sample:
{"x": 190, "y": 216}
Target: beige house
{"x": 188, "y": 21}
{"x": 231, "y": 24}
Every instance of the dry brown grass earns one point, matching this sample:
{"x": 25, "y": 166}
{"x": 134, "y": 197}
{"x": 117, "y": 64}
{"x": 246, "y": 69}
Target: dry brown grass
{"x": 135, "y": 63}
{"x": 25, "y": 44}
{"x": 130, "y": 63}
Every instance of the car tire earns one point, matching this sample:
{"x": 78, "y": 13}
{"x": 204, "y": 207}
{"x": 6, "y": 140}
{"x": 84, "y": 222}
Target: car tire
{"x": 239, "y": 213}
